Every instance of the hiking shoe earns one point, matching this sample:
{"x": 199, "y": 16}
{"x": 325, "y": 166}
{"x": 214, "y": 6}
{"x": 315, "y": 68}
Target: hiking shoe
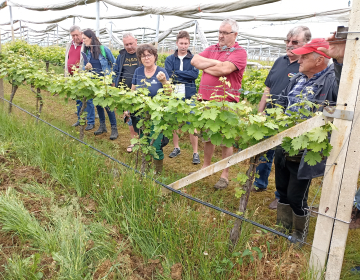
{"x": 76, "y": 124}
{"x": 196, "y": 158}
{"x": 174, "y": 153}
{"x": 114, "y": 132}
{"x": 257, "y": 189}
{"x": 274, "y": 204}
{"x": 102, "y": 129}
{"x": 89, "y": 127}
{"x": 221, "y": 184}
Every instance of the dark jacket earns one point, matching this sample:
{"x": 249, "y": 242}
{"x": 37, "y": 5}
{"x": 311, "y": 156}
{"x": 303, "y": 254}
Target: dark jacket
{"x": 118, "y": 66}
{"x": 187, "y": 76}
{"x": 328, "y": 87}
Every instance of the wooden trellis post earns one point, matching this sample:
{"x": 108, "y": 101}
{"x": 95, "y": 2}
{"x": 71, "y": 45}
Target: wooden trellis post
{"x": 342, "y": 166}
{"x": 1, "y": 80}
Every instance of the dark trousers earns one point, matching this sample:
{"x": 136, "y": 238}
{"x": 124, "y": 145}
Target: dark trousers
{"x": 292, "y": 190}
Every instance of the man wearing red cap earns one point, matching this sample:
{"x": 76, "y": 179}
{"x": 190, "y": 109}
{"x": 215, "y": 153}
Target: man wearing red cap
{"x": 284, "y": 68}
{"x": 317, "y": 83}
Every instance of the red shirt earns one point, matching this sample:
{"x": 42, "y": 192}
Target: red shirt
{"x": 208, "y": 85}
{"x": 74, "y": 57}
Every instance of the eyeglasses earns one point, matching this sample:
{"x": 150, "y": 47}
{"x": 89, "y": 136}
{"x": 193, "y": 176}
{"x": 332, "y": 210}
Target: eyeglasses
{"x": 224, "y": 33}
{"x": 148, "y": 56}
{"x": 294, "y": 42}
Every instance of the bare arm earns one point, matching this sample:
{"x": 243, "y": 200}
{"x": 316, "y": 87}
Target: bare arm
{"x": 265, "y": 96}
{"x": 221, "y": 69}
{"x": 133, "y": 87}
{"x": 202, "y": 62}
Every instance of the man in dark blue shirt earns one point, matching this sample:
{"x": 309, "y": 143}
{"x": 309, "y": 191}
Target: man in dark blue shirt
{"x": 278, "y": 78}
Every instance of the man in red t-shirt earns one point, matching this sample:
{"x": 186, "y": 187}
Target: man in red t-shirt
{"x": 73, "y": 58}
{"x": 227, "y": 59}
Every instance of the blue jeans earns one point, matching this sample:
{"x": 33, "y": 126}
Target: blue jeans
{"x": 111, "y": 115}
{"x": 264, "y": 169}
{"x": 357, "y": 199}
{"x": 89, "y": 109}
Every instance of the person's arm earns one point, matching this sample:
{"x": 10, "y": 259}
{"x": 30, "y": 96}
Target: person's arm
{"x": 336, "y": 51}
{"x": 265, "y": 96}
{"x": 133, "y": 87}
{"x": 188, "y": 74}
{"x": 221, "y": 69}
{"x": 116, "y": 69}
{"x": 202, "y": 63}
{"x": 169, "y": 66}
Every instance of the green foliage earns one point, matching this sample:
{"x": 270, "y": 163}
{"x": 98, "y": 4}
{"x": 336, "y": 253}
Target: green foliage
{"x": 240, "y": 258}
{"x": 253, "y": 85}
{"x": 161, "y": 59}
{"x": 18, "y": 268}
{"x": 223, "y": 122}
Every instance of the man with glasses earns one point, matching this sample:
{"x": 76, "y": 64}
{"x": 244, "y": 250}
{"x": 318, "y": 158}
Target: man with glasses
{"x": 73, "y": 59}
{"x": 225, "y": 59}
{"x": 125, "y": 66}
{"x": 278, "y": 78}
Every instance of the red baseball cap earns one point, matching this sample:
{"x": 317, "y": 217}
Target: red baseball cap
{"x": 312, "y": 47}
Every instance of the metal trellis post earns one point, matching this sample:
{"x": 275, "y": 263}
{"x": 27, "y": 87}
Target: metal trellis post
{"x": 343, "y": 164}
{"x": 157, "y": 32}
{"x": 195, "y": 33}
{"x": 12, "y": 25}
{"x": 20, "y": 30}
{"x": 142, "y": 39}
{"x": 97, "y": 18}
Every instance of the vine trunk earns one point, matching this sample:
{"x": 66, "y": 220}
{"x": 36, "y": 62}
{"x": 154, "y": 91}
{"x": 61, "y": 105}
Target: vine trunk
{"x": 235, "y": 231}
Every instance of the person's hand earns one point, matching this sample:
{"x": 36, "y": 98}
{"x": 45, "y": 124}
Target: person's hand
{"x": 88, "y": 66}
{"x": 113, "y": 84}
{"x": 126, "y": 114}
{"x": 336, "y": 48}
{"x": 161, "y": 77}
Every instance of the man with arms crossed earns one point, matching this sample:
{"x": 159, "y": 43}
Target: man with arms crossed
{"x": 73, "y": 58}
{"x": 283, "y": 69}
{"x": 183, "y": 74}
{"x": 125, "y": 66}
{"x": 227, "y": 59}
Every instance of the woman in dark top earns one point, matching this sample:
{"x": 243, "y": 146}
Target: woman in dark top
{"x": 157, "y": 77}
{"x": 100, "y": 61}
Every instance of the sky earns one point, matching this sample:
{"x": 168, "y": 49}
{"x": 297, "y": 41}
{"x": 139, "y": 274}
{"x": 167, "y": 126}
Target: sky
{"x": 316, "y": 25}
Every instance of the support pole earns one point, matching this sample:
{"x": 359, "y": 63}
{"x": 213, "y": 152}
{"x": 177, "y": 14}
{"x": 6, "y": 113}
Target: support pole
{"x": 194, "y": 42}
{"x": 1, "y": 80}
{"x": 248, "y": 45}
{"x": 157, "y": 32}
{"x": 98, "y": 19}
{"x": 12, "y": 25}
{"x": 73, "y": 20}
{"x": 48, "y": 39}
{"x": 20, "y": 30}
{"x": 142, "y": 39}
{"x": 57, "y": 34}
{"x": 343, "y": 164}
{"x": 260, "y": 53}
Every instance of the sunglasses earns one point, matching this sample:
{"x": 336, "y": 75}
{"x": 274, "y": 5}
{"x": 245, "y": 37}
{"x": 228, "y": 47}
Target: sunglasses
{"x": 294, "y": 42}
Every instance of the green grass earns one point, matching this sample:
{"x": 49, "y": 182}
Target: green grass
{"x": 169, "y": 228}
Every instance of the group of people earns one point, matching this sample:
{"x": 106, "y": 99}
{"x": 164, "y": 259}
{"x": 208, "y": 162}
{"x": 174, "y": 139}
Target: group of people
{"x": 304, "y": 72}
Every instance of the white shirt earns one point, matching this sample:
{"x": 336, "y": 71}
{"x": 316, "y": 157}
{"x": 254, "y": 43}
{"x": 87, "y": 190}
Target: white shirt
{"x": 180, "y": 88}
